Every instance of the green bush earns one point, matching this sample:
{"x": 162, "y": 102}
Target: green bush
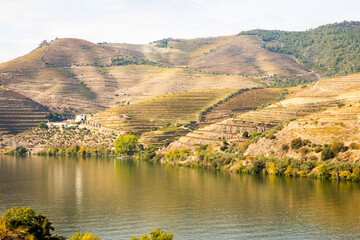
{"x": 84, "y": 236}
{"x": 337, "y": 147}
{"x": 35, "y": 226}
{"x": 296, "y": 143}
{"x": 258, "y": 166}
{"x": 155, "y": 234}
{"x": 327, "y": 154}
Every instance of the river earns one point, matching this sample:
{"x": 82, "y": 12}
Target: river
{"x": 118, "y": 199}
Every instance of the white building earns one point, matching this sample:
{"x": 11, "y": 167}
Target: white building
{"x": 80, "y": 118}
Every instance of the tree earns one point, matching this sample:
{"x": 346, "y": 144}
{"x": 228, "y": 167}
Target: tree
{"x": 84, "y": 236}
{"x": 35, "y": 226}
{"x": 43, "y": 125}
{"x": 125, "y": 144}
{"x": 155, "y": 234}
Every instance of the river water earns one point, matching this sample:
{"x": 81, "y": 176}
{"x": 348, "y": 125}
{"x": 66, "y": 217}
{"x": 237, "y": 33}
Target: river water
{"x": 118, "y": 199}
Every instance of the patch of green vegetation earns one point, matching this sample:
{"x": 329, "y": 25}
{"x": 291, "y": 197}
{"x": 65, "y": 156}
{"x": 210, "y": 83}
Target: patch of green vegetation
{"x": 18, "y": 151}
{"x": 125, "y": 144}
{"x": 206, "y": 157}
{"x": 123, "y": 61}
{"x": 24, "y": 223}
{"x": 286, "y": 82}
{"x": 76, "y": 150}
{"x": 331, "y": 50}
{"x": 59, "y": 117}
{"x": 163, "y": 43}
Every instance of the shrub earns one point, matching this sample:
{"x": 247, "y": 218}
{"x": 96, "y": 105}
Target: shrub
{"x": 296, "y": 143}
{"x": 43, "y": 125}
{"x": 254, "y": 134}
{"x": 148, "y": 154}
{"x": 245, "y": 134}
{"x": 84, "y": 236}
{"x": 337, "y": 147}
{"x": 327, "y": 154}
{"x": 285, "y": 147}
{"x": 155, "y": 234}
{"x": 223, "y": 147}
{"x": 270, "y": 136}
{"x": 304, "y": 151}
{"x": 258, "y": 166}
{"x": 318, "y": 149}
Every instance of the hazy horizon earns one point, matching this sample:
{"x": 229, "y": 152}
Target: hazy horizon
{"x": 26, "y": 24}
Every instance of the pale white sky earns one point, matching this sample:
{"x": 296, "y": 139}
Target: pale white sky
{"x": 25, "y": 23}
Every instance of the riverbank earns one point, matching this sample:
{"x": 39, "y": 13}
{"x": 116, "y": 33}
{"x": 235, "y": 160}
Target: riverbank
{"x": 209, "y": 158}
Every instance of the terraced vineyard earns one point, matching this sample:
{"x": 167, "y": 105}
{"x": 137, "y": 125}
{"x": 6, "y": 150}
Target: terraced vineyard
{"x": 334, "y": 124}
{"x": 241, "y": 103}
{"x": 18, "y": 113}
{"x": 159, "y": 111}
{"x": 161, "y": 136}
{"x": 325, "y": 94}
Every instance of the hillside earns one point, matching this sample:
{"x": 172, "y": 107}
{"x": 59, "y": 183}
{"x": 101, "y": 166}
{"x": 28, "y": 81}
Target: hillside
{"x": 172, "y": 52}
{"x": 72, "y": 75}
{"x": 241, "y": 103}
{"x": 331, "y": 50}
{"x": 231, "y": 54}
{"x": 327, "y": 93}
{"x": 18, "y": 113}
{"x": 244, "y": 55}
{"x": 160, "y": 111}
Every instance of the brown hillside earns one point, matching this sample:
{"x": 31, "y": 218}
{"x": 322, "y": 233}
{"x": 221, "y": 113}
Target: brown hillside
{"x": 18, "y": 113}
{"x": 56, "y": 76}
{"x": 69, "y": 51}
{"x": 244, "y": 55}
{"x": 179, "y": 52}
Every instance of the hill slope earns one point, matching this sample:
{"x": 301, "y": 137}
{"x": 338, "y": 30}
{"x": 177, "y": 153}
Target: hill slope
{"x": 231, "y": 54}
{"x": 69, "y": 75}
{"x": 244, "y": 55}
{"x": 159, "y": 111}
{"x": 18, "y": 113}
{"x": 332, "y": 49}
{"x": 323, "y": 95}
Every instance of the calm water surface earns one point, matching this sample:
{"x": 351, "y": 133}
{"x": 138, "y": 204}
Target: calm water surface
{"x": 118, "y": 199}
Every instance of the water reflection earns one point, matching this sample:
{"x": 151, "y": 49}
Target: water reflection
{"x": 122, "y": 198}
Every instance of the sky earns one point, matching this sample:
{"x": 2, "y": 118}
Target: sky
{"x": 26, "y": 23}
